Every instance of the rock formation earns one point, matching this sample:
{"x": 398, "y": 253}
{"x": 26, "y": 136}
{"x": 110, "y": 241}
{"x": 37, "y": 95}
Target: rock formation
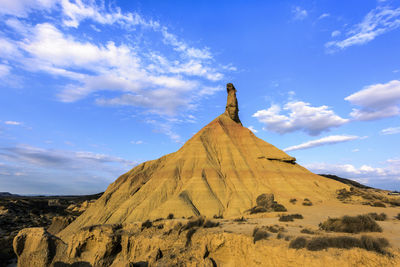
{"x": 232, "y": 107}
{"x": 220, "y": 171}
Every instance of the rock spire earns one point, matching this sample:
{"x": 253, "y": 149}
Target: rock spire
{"x": 232, "y": 107}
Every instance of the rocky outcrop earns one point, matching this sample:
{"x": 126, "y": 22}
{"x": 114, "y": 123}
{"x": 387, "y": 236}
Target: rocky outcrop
{"x": 36, "y": 247}
{"x": 165, "y": 243}
{"x": 232, "y": 106}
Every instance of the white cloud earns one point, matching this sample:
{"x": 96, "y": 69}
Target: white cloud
{"x": 302, "y": 117}
{"x": 145, "y": 65}
{"x": 335, "y": 33}
{"x": 378, "y": 21}
{"x": 21, "y": 8}
{"x": 376, "y": 101}
{"x": 4, "y": 70}
{"x": 299, "y": 13}
{"x": 391, "y": 130}
{"x": 324, "y": 15}
{"x": 251, "y": 128}
{"x": 328, "y": 140}
{"x": 355, "y": 150}
{"x": 139, "y": 142}
{"x": 12, "y": 122}
{"x": 368, "y": 173}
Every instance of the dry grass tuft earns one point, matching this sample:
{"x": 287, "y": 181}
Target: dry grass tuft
{"x": 259, "y": 234}
{"x": 351, "y": 224}
{"x": 290, "y": 217}
{"x": 378, "y": 245}
{"x": 378, "y": 217}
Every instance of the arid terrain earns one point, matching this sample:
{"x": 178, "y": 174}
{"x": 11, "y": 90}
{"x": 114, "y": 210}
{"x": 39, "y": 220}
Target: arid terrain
{"x": 18, "y": 212}
{"x": 225, "y": 198}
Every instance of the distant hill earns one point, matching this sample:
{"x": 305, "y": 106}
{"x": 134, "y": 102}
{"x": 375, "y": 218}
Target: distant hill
{"x": 7, "y": 194}
{"x": 345, "y": 181}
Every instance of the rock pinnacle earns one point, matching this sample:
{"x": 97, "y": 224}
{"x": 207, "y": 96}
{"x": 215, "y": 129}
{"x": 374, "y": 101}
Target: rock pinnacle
{"x": 232, "y": 107}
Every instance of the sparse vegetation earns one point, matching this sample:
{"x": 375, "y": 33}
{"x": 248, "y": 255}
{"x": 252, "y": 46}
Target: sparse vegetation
{"x": 378, "y": 204}
{"x": 241, "y": 219}
{"x": 210, "y": 224}
{"x": 218, "y": 216}
{"x": 274, "y": 228}
{"x": 278, "y": 207}
{"x": 351, "y": 224}
{"x": 398, "y": 216}
{"x": 307, "y": 231}
{"x": 307, "y": 202}
{"x": 290, "y": 217}
{"x": 345, "y": 242}
{"x": 299, "y": 242}
{"x": 259, "y": 234}
{"x": 147, "y": 224}
{"x": 378, "y": 217}
{"x": 293, "y": 201}
{"x": 170, "y": 216}
{"x": 257, "y": 209}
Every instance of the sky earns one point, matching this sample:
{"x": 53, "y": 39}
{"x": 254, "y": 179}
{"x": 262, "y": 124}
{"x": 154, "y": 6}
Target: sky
{"x": 90, "y": 89}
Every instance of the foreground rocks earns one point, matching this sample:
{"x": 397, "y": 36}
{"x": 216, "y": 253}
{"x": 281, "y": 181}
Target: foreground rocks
{"x": 54, "y": 213}
{"x": 176, "y": 243}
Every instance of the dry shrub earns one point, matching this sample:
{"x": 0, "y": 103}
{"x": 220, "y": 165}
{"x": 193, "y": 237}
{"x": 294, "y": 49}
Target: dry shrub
{"x": 398, "y": 216}
{"x": 218, "y": 216}
{"x": 274, "y": 228}
{"x": 170, "y": 216}
{"x": 242, "y": 219}
{"x": 278, "y": 207}
{"x": 344, "y": 242}
{"x": 210, "y": 224}
{"x": 378, "y": 217}
{"x": 259, "y": 234}
{"x": 307, "y": 231}
{"x": 307, "y": 202}
{"x": 257, "y": 209}
{"x": 290, "y": 217}
{"x": 198, "y": 222}
{"x": 351, "y": 224}
{"x": 293, "y": 201}
{"x": 147, "y": 224}
{"x": 378, "y": 204}
{"x": 299, "y": 242}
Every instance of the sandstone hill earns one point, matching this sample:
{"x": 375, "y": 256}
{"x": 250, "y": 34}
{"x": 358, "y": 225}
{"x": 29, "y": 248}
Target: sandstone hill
{"x": 220, "y": 171}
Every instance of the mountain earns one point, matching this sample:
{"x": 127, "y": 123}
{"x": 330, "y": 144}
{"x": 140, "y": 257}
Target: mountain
{"x": 220, "y": 171}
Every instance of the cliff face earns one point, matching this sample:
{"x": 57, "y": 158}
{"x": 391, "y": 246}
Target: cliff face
{"x": 220, "y": 171}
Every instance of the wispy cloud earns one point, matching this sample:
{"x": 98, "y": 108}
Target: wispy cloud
{"x": 299, "y": 13}
{"x": 302, "y": 117}
{"x": 377, "y": 101}
{"x": 377, "y": 22}
{"x": 391, "y": 130}
{"x": 328, "y": 140}
{"x": 324, "y": 15}
{"x": 13, "y": 123}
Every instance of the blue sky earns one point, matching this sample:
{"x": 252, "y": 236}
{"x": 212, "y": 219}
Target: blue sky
{"x": 89, "y": 89}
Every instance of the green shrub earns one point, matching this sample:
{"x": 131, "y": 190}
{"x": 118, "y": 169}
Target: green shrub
{"x": 351, "y": 224}
{"x": 307, "y": 202}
